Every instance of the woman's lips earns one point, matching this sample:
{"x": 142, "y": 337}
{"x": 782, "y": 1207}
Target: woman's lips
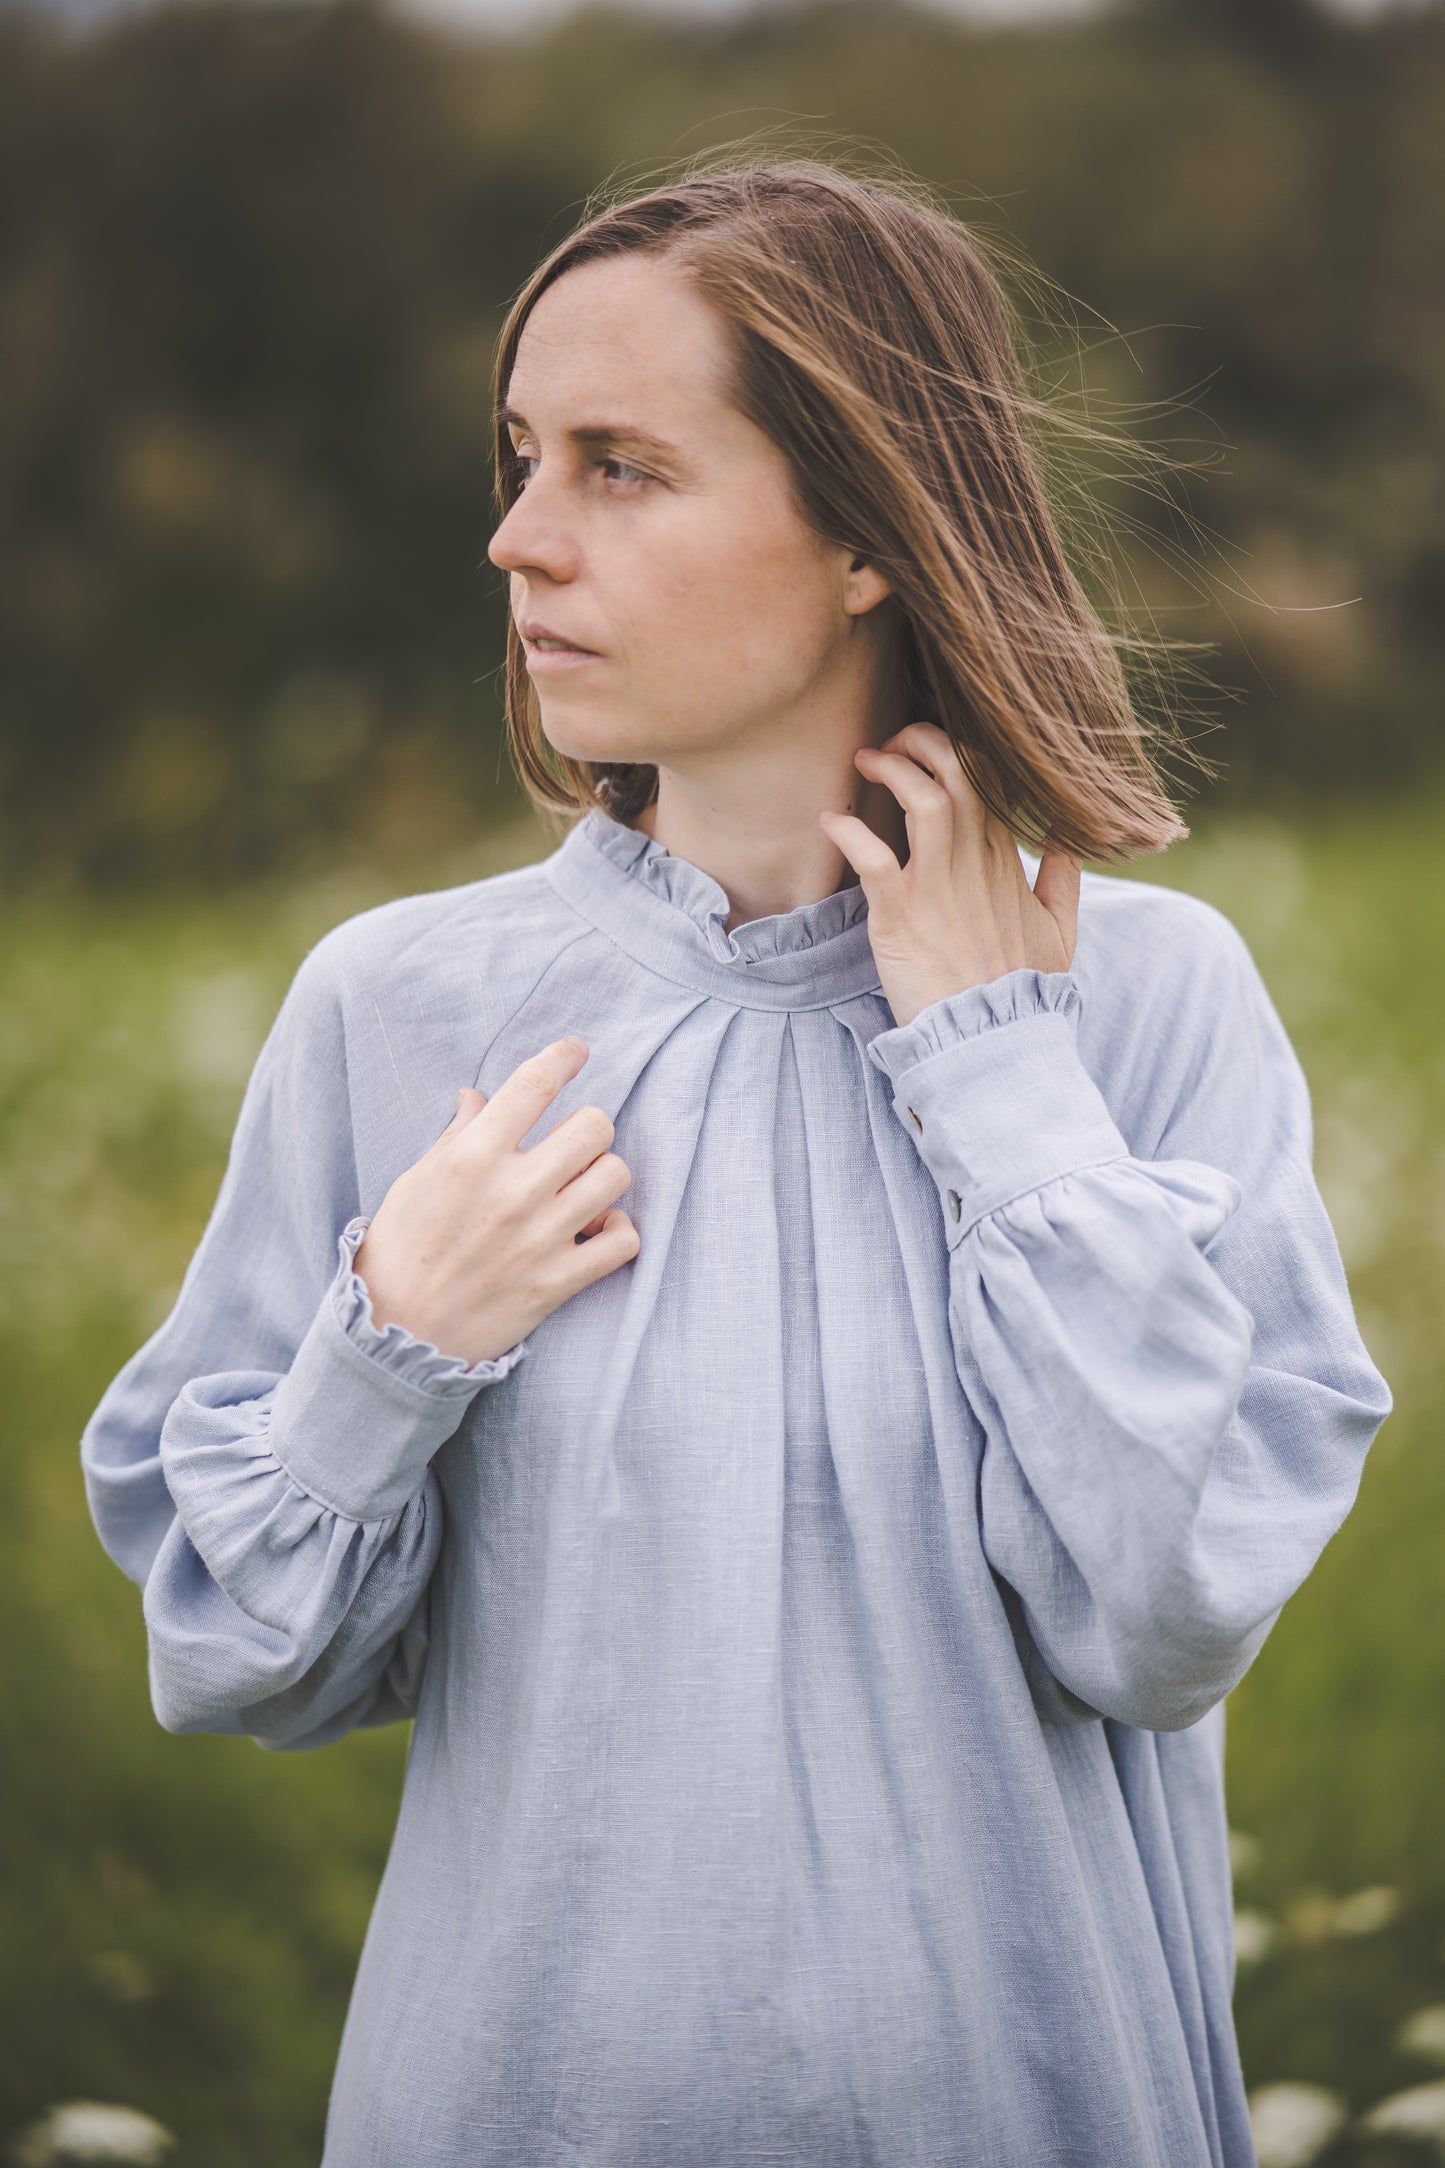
{"x": 557, "y": 658}
{"x": 553, "y": 651}
{"x": 547, "y": 649}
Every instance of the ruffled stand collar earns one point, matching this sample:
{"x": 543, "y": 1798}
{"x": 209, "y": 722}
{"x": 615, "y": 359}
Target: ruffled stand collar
{"x": 670, "y": 914}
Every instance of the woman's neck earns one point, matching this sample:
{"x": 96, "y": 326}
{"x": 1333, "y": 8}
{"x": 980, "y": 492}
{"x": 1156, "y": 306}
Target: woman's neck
{"x": 754, "y": 828}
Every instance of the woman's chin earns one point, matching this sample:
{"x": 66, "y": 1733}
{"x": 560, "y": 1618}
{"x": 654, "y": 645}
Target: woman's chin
{"x": 595, "y": 745}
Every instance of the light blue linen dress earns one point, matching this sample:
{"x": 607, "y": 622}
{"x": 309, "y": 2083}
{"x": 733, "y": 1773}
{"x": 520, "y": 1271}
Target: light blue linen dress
{"x": 817, "y": 1630}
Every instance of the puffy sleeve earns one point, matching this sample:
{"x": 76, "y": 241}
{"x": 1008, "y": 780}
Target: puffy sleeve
{"x": 1155, "y": 1335}
{"x": 261, "y": 1466}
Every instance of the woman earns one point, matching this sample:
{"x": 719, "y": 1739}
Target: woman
{"x": 816, "y": 1585}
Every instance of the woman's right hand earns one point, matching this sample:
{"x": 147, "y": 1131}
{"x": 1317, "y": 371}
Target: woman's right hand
{"x": 474, "y": 1245}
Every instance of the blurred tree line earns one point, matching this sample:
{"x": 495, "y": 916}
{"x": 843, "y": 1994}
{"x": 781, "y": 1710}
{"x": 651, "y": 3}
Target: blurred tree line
{"x": 252, "y": 263}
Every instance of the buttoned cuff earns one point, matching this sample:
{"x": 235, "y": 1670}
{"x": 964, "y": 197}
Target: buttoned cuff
{"x": 989, "y": 1085}
{"x": 362, "y": 1409}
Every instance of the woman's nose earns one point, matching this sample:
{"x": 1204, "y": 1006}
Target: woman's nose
{"x": 534, "y": 536}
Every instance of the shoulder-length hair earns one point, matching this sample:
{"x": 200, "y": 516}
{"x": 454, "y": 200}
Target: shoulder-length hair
{"x": 878, "y": 349}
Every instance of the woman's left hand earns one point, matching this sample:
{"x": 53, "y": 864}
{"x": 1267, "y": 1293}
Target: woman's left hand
{"x": 961, "y": 911}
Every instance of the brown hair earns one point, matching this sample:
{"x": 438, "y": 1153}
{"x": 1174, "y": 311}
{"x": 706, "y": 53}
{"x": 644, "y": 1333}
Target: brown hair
{"x": 878, "y": 349}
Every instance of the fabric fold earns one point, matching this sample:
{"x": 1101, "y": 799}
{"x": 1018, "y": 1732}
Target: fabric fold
{"x": 266, "y": 1610}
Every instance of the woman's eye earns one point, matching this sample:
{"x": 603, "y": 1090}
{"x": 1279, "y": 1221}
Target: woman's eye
{"x": 624, "y": 471}
{"x": 524, "y": 466}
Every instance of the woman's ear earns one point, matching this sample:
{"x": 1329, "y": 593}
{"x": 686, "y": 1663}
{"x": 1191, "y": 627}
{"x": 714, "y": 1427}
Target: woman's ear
{"x": 864, "y": 586}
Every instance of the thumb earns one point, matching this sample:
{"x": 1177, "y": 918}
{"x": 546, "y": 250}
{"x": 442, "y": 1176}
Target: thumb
{"x": 1056, "y": 887}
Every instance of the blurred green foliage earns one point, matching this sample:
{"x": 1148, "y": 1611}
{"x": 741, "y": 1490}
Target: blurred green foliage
{"x": 252, "y": 260}
{"x": 180, "y": 1917}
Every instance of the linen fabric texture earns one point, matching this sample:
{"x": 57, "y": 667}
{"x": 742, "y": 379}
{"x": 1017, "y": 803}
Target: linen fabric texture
{"x": 817, "y": 1630}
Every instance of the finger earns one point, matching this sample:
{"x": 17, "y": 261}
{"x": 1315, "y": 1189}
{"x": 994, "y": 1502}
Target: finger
{"x": 1056, "y": 887}
{"x": 572, "y": 1145}
{"x": 867, "y": 853}
{"x": 933, "y": 749}
{"x": 598, "y": 1186}
{"x": 616, "y": 1243}
{"x": 469, "y": 1104}
{"x": 530, "y": 1090}
{"x": 929, "y": 814}
{"x": 593, "y": 1227}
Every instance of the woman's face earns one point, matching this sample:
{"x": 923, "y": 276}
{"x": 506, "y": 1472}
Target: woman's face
{"x": 657, "y": 535}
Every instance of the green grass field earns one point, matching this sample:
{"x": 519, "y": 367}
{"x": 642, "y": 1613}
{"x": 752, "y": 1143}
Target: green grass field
{"x": 181, "y": 1917}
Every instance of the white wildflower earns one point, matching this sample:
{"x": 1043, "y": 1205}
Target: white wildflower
{"x": 93, "y": 2130}
{"x": 1419, "y": 2113}
{"x": 1254, "y": 1936}
{"x": 1367, "y": 1911}
{"x": 1424, "y": 2034}
{"x": 1317, "y": 1917}
{"x": 1243, "y": 1852}
{"x": 1292, "y": 2124}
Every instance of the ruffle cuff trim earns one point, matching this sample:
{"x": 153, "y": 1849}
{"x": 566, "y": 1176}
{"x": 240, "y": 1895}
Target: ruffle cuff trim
{"x": 415, "y": 1362}
{"x": 990, "y": 1087}
{"x": 1008, "y": 1000}
{"x": 356, "y": 1419}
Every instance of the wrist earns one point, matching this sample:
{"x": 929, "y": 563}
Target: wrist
{"x": 424, "y": 1343}
{"x": 909, "y": 990}
{"x": 390, "y": 1309}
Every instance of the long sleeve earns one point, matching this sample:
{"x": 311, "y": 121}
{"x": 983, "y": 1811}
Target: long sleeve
{"x": 261, "y": 1467}
{"x": 1155, "y": 1335}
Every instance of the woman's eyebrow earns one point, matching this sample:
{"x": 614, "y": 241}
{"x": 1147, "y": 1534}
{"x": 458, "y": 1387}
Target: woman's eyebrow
{"x": 603, "y": 433}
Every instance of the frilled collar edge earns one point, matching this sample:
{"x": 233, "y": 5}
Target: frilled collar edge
{"x": 670, "y": 914}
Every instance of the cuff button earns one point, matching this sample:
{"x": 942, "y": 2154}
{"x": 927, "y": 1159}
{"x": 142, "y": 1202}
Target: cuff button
{"x": 915, "y": 1121}
{"x": 955, "y": 1205}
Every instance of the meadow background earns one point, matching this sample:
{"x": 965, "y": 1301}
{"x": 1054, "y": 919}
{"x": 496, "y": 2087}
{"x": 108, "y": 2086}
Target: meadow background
{"x": 252, "y": 261}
